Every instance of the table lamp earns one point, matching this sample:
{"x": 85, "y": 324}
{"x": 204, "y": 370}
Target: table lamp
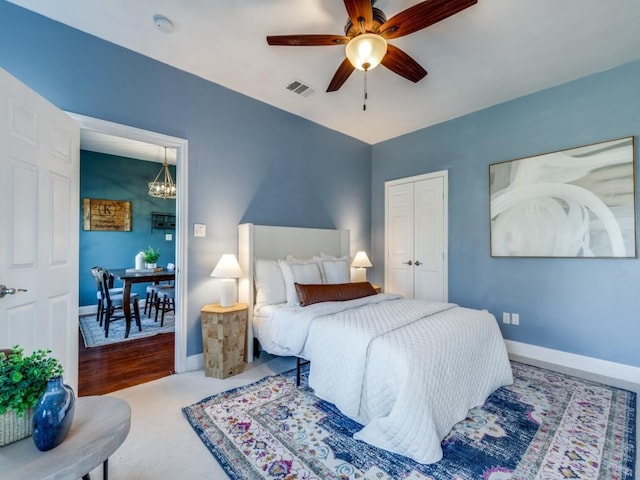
{"x": 228, "y": 269}
{"x": 360, "y": 263}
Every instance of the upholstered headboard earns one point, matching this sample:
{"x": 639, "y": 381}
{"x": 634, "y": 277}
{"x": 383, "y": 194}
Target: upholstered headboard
{"x": 261, "y": 241}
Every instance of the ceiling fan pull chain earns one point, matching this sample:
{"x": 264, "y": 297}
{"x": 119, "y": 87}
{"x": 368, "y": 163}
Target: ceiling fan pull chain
{"x": 364, "y": 105}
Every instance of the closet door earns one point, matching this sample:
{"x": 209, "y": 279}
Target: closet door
{"x": 399, "y": 227}
{"x": 416, "y": 237}
{"x": 428, "y": 264}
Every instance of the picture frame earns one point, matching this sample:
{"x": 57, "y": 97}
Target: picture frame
{"x": 106, "y": 215}
{"x": 574, "y": 203}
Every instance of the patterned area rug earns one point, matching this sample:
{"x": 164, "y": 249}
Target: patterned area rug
{"x": 93, "y": 333}
{"x": 546, "y": 425}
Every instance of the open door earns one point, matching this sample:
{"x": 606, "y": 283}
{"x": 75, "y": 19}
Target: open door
{"x": 39, "y": 222}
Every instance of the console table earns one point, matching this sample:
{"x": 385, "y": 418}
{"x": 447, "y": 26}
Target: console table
{"x": 100, "y": 425}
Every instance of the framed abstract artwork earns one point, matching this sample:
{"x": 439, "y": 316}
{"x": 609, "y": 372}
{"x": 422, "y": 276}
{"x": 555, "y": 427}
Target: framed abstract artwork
{"x": 572, "y": 203}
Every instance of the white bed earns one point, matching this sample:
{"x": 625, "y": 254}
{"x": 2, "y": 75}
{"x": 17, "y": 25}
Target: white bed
{"x": 408, "y": 370}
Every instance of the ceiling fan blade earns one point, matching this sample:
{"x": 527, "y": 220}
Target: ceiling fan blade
{"x": 422, "y": 15}
{"x": 399, "y": 62}
{"x": 307, "y": 40}
{"x": 357, "y": 9}
{"x": 344, "y": 70}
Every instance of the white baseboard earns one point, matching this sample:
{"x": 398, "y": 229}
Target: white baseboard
{"x": 195, "y": 362}
{"x": 87, "y": 310}
{"x": 619, "y": 371}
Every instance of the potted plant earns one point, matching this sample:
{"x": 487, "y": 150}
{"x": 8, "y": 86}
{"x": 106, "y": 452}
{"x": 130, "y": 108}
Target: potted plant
{"x": 151, "y": 256}
{"x": 23, "y": 380}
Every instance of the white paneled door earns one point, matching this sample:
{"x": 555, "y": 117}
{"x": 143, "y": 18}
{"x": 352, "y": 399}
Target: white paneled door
{"x": 399, "y": 244}
{"x": 39, "y": 221}
{"x": 416, "y": 237}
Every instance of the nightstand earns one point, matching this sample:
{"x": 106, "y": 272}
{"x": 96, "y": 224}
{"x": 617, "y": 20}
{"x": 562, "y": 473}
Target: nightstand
{"x": 377, "y": 288}
{"x": 223, "y": 339}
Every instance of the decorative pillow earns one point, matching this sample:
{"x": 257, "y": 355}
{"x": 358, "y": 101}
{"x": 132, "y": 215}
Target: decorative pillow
{"x": 310, "y": 294}
{"x": 298, "y": 272}
{"x": 269, "y": 282}
{"x": 335, "y": 271}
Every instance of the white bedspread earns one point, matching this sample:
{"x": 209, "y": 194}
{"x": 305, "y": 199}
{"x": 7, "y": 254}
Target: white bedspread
{"x": 282, "y": 329}
{"x": 406, "y": 369}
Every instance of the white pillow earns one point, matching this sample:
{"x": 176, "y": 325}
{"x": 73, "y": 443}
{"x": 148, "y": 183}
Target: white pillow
{"x": 269, "y": 282}
{"x": 292, "y": 259}
{"x": 335, "y": 271}
{"x": 300, "y": 273}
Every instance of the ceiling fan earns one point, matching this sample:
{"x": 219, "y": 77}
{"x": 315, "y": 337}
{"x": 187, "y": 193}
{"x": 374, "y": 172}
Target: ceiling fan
{"x": 366, "y": 34}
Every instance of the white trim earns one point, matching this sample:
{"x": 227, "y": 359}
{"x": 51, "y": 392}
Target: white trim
{"x": 417, "y": 178}
{"x": 195, "y": 362}
{"x": 87, "y": 310}
{"x": 181, "y": 145}
{"x": 597, "y": 366}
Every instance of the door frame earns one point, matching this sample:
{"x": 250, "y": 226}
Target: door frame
{"x": 444, "y": 174}
{"x": 181, "y": 145}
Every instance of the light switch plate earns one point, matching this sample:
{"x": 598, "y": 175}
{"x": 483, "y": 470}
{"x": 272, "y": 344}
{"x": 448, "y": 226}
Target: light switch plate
{"x": 199, "y": 230}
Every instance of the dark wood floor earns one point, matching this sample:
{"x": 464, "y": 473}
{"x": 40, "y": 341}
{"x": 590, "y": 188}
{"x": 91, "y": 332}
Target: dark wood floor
{"x": 120, "y": 365}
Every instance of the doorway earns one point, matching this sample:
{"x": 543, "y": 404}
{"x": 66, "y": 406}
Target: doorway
{"x": 89, "y": 125}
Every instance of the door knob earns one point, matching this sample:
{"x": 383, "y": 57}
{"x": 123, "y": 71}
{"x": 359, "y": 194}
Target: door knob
{"x": 9, "y": 291}
{"x": 408, "y": 263}
{"x": 418, "y": 263}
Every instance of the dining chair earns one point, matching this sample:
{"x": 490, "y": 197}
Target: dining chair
{"x": 150, "y": 299}
{"x": 154, "y": 294}
{"x": 96, "y": 272}
{"x": 165, "y": 302}
{"x": 114, "y": 303}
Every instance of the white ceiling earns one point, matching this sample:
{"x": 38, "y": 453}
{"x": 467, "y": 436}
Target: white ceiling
{"x": 100, "y": 142}
{"x": 489, "y": 53}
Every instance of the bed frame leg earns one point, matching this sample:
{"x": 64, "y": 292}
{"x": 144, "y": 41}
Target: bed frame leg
{"x": 299, "y": 363}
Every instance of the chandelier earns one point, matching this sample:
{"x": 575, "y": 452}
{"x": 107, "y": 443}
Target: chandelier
{"x": 165, "y": 188}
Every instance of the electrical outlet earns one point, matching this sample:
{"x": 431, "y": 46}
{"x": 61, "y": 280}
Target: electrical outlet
{"x": 515, "y": 318}
{"x": 506, "y": 317}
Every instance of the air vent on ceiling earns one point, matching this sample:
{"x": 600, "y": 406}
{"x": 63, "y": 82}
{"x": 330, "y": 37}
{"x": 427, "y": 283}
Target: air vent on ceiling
{"x": 300, "y": 88}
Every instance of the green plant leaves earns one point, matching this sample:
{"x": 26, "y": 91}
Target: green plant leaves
{"x": 23, "y": 379}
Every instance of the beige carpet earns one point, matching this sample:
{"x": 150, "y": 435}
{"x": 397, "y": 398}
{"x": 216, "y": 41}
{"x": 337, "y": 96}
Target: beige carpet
{"x": 162, "y": 444}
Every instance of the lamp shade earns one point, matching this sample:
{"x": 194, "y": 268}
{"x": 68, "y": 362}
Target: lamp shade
{"x": 366, "y": 51}
{"x": 361, "y": 260}
{"x": 227, "y": 267}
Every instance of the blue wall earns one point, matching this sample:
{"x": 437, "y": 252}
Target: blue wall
{"x": 248, "y": 161}
{"x": 111, "y": 177}
{"x": 584, "y": 306}
{"x": 252, "y": 162}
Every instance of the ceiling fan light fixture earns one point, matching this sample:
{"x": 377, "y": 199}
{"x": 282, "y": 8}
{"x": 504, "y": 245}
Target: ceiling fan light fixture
{"x": 366, "y": 51}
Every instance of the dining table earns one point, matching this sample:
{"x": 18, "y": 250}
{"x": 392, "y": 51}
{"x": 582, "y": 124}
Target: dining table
{"x": 129, "y": 276}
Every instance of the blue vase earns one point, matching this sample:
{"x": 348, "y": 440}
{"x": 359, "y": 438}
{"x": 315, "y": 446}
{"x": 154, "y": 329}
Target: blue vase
{"x": 53, "y": 415}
